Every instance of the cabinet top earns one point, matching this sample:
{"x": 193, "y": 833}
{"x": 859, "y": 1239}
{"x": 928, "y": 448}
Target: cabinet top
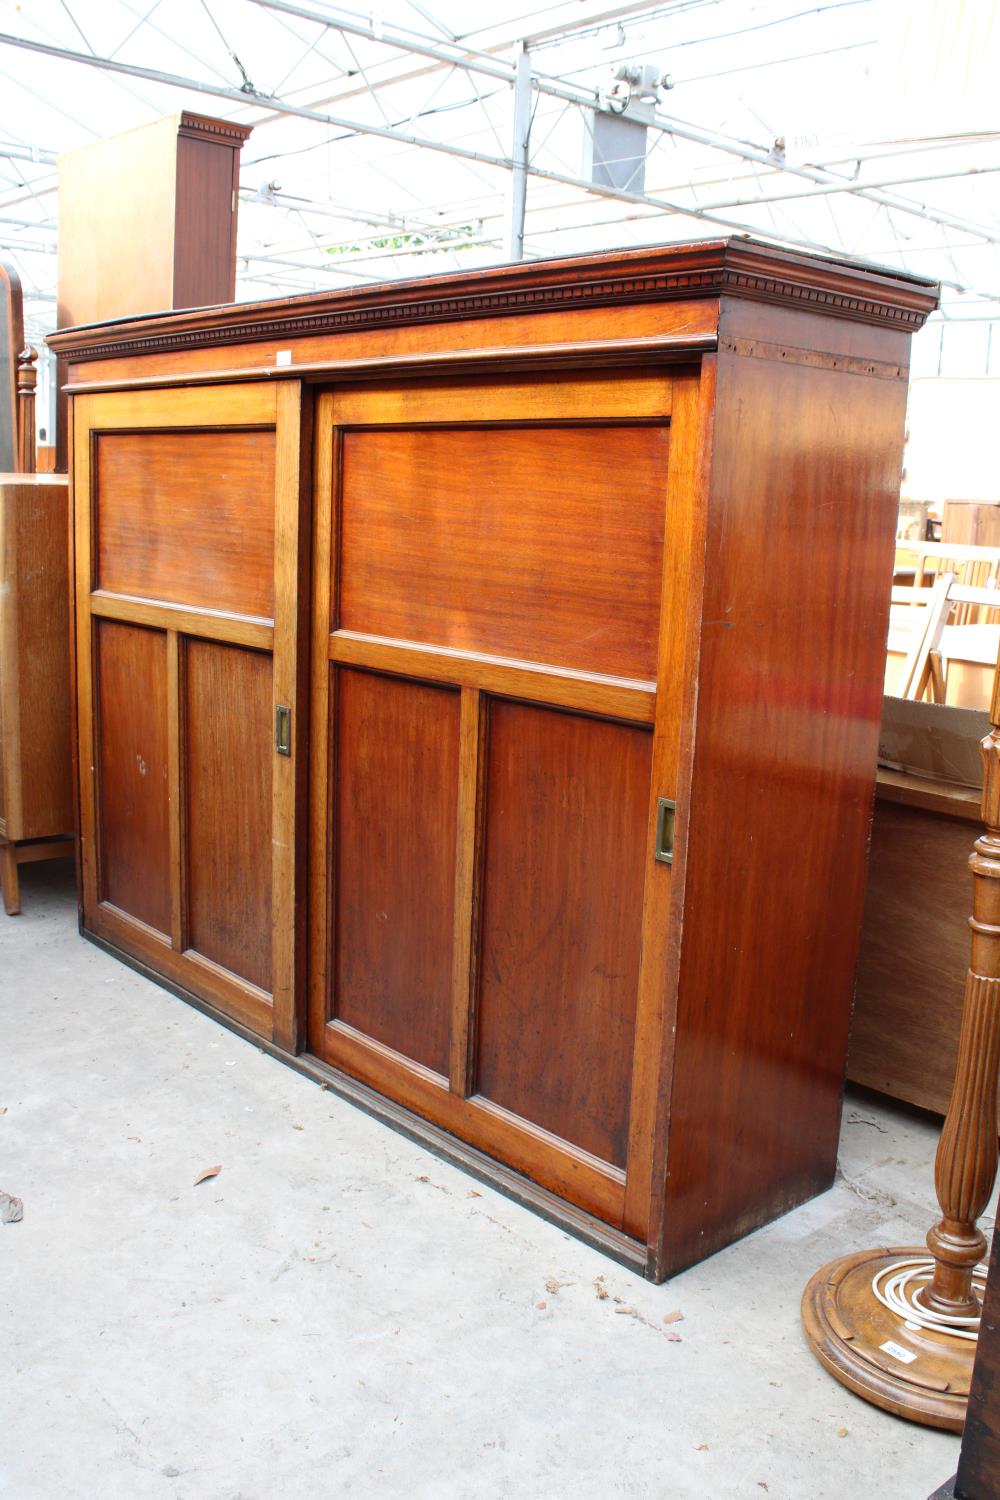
{"x": 734, "y": 267}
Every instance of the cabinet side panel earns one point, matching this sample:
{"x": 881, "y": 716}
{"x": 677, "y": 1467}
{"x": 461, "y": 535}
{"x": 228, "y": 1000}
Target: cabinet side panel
{"x": 566, "y": 801}
{"x": 8, "y": 663}
{"x": 914, "y": 954}
{"x": 133, "y": 836}
{"x": 798, "y": 570}
{"x": 41, "y": 602}
{"x": 227, "y": 773}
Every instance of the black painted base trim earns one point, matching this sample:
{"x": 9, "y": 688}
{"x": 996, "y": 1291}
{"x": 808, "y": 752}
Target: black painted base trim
{"x": 583, "y": 1226}
{"x": 946, "y": 1492}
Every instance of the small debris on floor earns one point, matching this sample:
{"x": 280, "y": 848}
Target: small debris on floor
{"x": 11, "y": 1209}
{"x": 553, "y": 1286}
{"x": 471, "y": 1193}
{"x": 600, "y": 1289}
{"x": 673, "y": 1317}
{"x": 841, "y": 1431}
{"x": 633, "y": 1312}
{"x": 298, "y": 1127}
{"x": 424, "y": 1178}
{"x": 208, "y": 1172}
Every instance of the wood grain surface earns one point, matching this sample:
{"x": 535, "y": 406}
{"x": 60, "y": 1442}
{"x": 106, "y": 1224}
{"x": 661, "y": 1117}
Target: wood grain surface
{"x": 562, "y": 912}
{"x": 536, "y": 543}
{"x": 394, "y": 837}
{"x": 805, "y": 466}
{"x": 134, "y": 842}
{"x": 188, "y": 518}
{"x": 227, "y": 776}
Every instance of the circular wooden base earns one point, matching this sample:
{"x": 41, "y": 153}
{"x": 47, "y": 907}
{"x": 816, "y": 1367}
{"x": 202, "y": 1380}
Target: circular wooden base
{"x": 866, "y": 1346}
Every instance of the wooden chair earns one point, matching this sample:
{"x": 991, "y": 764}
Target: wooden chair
{"x": 916, "y": 620}
{"x": 967, "y": 651}
{"x": 971, "y": 567}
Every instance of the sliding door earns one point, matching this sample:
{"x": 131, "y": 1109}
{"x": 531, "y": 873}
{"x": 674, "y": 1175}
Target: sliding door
{"x": 488, "y": 563}
{"x": 187, "y": 507}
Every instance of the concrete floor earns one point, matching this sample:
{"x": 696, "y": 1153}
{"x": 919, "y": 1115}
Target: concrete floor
{"x": 339, "y": 1313}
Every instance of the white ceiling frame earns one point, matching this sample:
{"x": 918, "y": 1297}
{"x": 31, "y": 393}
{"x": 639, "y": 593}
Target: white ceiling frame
{"x": 829, "y": 182}
{"x": 454, "y": 57}
{"x": 174, "y": 80}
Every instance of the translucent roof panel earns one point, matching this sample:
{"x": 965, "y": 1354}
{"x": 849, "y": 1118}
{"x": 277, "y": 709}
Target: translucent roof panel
{"x": 384, "y": 145}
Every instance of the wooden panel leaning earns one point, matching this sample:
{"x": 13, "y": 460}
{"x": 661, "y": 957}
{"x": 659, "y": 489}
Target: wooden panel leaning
{"x": 36, "y": 787}
{"x": 577, "y": 793}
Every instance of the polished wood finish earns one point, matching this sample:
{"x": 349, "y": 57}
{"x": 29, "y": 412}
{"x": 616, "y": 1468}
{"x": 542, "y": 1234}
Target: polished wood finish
{"x": 36, "y": 797}
{"x": 694, "y": 276}
{"x": 970, "y": 524}
{"x": 449, "y": 1091}
{"x": 157, "y": 491}
{"x": 227, "y": 697}
{"x": 393, "y": 840}
{"x": 914, "y": 942}
{"x": 620, "y": 697}
{"x": 27, "y": 379}
{"x": 432, "y": 549}
{"x": 979, "y": 1465}
{"x": 920, "y": 1370}
{"x": 11, "y": 346}
{"x": 562, "y": 922}
{"x": 133, "y": 838}
{"x": 222, "y": 873}
{"x": 783, "y": 771}
{"x": 147, "y": 222}
{"x": 557, "y": 512}
{"x": 968, "y": 1154}
{"x": 169, "y": 187}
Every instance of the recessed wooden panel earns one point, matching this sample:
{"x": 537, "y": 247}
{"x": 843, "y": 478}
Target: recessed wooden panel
{"x": 132, "y": 771}
{"x": 537, "y": 543}
{"x": 394, "y": 839}
{"x": 566, "y": 809}
{"x": 228, "y": 764}
{"x": 187, "y": 517}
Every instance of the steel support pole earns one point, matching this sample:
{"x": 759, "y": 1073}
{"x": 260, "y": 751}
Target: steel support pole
{"x": 517, "y": 189}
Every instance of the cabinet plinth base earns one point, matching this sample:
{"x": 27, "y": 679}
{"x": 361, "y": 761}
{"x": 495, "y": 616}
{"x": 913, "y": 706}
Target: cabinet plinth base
{"x": 924, "y": 1376}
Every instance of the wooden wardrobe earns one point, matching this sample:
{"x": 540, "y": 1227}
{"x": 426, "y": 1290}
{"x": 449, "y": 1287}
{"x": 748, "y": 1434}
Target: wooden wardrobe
{"x": 478, "y": 693}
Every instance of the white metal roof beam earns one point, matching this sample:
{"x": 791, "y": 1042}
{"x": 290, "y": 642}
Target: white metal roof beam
{"x": 463, "y": 153}
{"x": 574, "y": 95}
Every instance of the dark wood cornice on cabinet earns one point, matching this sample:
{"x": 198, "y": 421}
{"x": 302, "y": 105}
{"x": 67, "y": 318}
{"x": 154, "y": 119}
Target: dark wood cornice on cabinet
{"x": 740, "y": 268}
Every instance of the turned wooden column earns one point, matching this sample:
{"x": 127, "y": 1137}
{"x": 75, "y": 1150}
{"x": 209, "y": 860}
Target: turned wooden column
{"x": 911, "y": 1348}
{"x": 967, "y": 1156}
{"x": 27, "y": 378}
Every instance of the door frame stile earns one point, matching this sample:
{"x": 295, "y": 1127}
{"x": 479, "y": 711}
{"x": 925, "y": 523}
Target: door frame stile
{"x": 293, "y": 426}
{"x": 325, "y": 561}
{"x": 672, "y": 761}
{"x": 83, "y": 507}
{"x": 468, "y": 881}
{"x": 176, "y": 781}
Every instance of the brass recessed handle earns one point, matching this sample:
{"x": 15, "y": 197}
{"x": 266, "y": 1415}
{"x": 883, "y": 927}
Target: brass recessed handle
{"x": 283, "y": 729}
{"x": 664, "y": 847}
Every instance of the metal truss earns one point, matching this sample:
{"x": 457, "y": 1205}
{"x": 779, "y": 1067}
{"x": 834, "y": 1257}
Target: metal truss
{"x": 525, "y": 134}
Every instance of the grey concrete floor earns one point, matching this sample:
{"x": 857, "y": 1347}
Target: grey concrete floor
{"x": 339, "y": 1313}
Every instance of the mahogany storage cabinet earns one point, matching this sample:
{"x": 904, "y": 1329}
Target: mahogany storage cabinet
{"x": 478, "y": 684}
